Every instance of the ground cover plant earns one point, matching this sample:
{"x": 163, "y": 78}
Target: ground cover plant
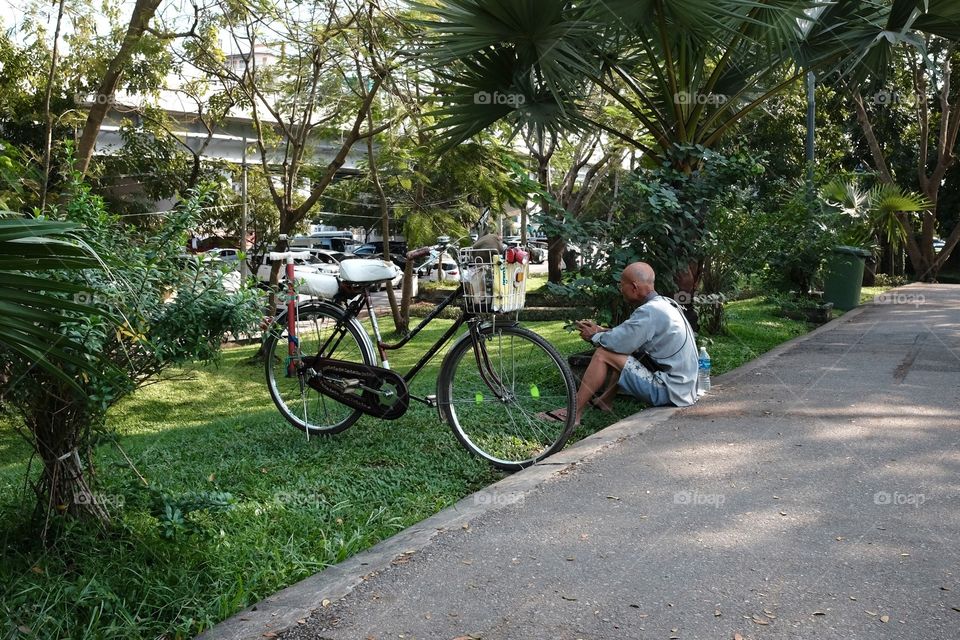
{"x": 229, "y": 504}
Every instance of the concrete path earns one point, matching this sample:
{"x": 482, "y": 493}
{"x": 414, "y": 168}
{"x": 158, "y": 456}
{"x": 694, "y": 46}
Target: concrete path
{"x": 815, "y": 493}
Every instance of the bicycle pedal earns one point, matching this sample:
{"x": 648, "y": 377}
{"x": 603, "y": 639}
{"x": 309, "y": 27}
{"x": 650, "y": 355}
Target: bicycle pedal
{"x": 347, "y": 383}
{"x": 431, "y": 400}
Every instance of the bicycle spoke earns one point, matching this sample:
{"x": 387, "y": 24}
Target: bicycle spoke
{"x": 497, "y": 412}
{"x": 321, "y": 331}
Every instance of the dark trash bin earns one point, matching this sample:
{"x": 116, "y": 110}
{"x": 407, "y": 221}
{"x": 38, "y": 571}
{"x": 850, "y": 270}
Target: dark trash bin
{"x": 843, "y": 276}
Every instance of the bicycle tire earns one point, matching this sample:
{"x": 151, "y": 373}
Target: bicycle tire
{"x": 302, "y": 406}
{"x": 505, "y": 428}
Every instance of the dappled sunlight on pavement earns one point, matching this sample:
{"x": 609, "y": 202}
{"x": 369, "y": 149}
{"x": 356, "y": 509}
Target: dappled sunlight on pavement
{"x": 814, "y": 493}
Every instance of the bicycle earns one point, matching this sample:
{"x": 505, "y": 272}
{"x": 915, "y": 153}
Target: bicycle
{"x": 497, "y": 383}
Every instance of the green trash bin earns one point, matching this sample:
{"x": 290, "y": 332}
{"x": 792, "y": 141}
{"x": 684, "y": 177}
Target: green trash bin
{"x": 843, "y": 276}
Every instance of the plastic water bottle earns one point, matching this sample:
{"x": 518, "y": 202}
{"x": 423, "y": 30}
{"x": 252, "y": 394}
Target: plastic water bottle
{"x": 703, "y": 372}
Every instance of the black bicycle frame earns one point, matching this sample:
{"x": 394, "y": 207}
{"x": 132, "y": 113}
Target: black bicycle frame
{"x": 439, "y": 344}
{"x": 353, "y": 306}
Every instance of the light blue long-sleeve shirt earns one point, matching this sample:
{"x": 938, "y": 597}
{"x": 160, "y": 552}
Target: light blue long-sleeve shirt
{"x": 659, "y": 328}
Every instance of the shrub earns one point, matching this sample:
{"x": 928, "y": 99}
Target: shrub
{"x": 152, "y": 308}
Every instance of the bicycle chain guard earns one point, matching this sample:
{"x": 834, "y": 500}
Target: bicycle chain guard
{"x": 376, "y": 391}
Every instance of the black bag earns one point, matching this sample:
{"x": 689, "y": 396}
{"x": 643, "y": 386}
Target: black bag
{"x": 647, "y": 361}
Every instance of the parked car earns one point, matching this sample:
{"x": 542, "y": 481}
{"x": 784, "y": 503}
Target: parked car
{"x": 538, "y": 252}
{"x": 451, "y": 270}
{"x": 329, "y": 262}
{"x": 300, "y": 266}
{"x": 366, "y": 250}
{"x": 376, "y": 247}
{"x": 224, "y": 254}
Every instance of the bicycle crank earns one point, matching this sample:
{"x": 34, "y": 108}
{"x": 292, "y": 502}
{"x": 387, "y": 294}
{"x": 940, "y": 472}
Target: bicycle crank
{"x": 376, "y": 391}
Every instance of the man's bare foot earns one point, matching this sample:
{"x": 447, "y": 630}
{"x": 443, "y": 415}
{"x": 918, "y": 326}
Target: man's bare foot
{"x": 557, "y": 415}
{"x": 600, "y": 406}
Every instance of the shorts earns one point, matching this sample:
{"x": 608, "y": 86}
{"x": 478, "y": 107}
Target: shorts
{"x": 642, "y": 384}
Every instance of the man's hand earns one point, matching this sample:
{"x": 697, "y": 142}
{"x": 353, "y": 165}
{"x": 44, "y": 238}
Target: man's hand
{"x": 588, "y": 329}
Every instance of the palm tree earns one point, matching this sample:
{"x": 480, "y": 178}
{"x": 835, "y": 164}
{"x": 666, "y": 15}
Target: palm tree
{"x": 682, "y": 73}
{"x": 686, "y": 70}
{"x": 883, "y": 211}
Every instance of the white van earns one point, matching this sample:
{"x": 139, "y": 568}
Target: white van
{"x": 330, "y": 240}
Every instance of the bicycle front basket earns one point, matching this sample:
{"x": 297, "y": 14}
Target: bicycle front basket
{"x": 490, "y": 284}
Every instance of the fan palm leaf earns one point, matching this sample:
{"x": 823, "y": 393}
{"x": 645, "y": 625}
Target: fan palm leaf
{"x": 881, "y": 207}
{"x": 30, "y": 307}
{"x": 687, "y": 71}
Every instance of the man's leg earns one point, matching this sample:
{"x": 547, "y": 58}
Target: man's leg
{"x": 605, "y": 401}
{"x": 641, "y": 383}
{"x": 602, "y": 364}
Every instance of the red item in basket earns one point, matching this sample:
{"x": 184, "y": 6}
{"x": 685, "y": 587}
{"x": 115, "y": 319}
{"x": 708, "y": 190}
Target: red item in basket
{"x": 515, "y": 254}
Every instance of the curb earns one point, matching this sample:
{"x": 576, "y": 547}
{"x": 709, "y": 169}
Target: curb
{"x": 285, "y": 608}
{"x": 761, "y": 361}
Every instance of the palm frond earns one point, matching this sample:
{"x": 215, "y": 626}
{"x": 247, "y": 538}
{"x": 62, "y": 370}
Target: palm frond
{"x": 29, "y": 310}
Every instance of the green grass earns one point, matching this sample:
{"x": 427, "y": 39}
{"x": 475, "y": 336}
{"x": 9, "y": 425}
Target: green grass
{"x": 868, "y": 293}
{"x": 297, "y": 506}
{"x": 753, "y": 328}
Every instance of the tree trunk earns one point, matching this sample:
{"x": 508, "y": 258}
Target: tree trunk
{"x": 47, "y": 116}
{"x": 60, "y": 436}
{"x": 143, "y": 12}
{"x": 556, "y": 246}
{"x": 398, "y": 323}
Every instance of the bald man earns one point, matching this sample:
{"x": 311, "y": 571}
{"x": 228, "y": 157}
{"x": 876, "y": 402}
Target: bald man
{"x": 651, "y": 356}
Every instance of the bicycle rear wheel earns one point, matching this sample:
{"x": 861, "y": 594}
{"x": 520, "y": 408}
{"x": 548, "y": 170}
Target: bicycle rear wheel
{"x": 494, "y": 396}
{"x": 322, "y": 330}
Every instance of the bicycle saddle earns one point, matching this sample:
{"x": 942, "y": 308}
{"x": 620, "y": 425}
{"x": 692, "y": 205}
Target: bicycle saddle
{"x": 367, "y": 271}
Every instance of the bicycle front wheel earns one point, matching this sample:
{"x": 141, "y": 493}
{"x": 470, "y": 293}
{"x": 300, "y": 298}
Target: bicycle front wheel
{"x": 324, "y": 331}
{"x": 495, "y": 394}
